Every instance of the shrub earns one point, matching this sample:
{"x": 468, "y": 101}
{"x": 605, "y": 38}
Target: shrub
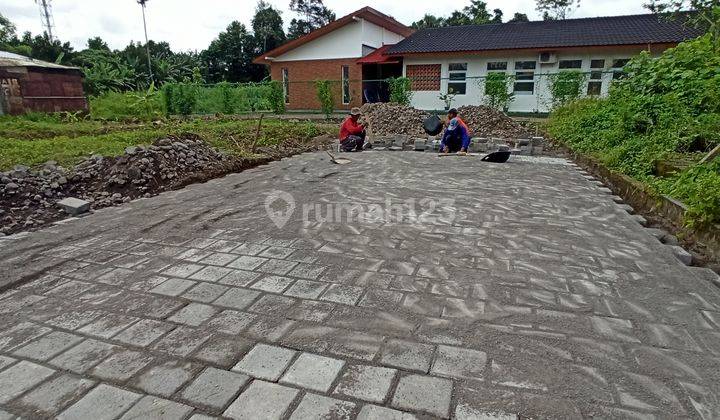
{"x": 325, "y": 96}
{"x": 226, "y": 92}
{"x": 118, "y": 106}
{"x": 276, "y": 97}
{"x": 497, "y": 92}
{"x": 400, "y": 90}
{"x": 664, "y": 106}
{"x": 566, "y": 86}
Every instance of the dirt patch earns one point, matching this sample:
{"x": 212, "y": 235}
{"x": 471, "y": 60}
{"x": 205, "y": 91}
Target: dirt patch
{"x": 28, "y": 197}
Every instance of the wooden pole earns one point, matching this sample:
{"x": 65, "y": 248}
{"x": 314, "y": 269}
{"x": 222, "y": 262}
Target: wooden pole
{"x": 257, "y": 133}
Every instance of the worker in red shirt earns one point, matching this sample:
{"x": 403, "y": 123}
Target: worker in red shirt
{"x": 352, "y": 133}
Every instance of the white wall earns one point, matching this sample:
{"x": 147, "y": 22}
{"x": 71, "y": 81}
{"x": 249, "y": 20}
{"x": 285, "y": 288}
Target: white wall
{"x": 344, "y": 42}
{"x": 477, "y": 67}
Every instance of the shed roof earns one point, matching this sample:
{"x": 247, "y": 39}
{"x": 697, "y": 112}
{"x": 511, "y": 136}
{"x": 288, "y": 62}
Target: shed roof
{"x": 598, "y": 31}
{"x": 8, "y": 59}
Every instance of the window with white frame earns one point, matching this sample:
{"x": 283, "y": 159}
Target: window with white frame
{"x": 286, "y": 85}
{"x": 524, "y": 78}
{"x": 570, "y": 64}
{"x": 346, "y": 85}
{"x": 617, "y": 66}
{"x": 596, "y": 74}
{"x": 497, "y": 66}
{"x": 457, "y": 78}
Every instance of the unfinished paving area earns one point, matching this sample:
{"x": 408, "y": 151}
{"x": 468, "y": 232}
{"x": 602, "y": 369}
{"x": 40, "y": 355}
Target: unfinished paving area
{"x": 532, "y": 294}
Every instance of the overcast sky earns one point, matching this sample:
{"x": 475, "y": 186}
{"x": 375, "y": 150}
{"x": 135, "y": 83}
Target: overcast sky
{"x": 191, "y": 25}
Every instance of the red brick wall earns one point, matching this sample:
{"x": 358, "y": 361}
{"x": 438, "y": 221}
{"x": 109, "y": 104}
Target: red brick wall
{"x": 44, "y": 90}
{"x": 302, "y": 76}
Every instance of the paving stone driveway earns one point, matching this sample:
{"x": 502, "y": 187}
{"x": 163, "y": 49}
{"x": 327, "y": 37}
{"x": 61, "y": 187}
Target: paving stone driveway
{"x": 518, "y": 290}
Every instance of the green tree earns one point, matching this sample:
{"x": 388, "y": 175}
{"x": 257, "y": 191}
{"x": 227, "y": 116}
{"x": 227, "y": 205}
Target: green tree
{"x": 267, "y": 27}
{"x": 97, "y": 43}
{"x": 519, "y": 17}
{"x": 42, "y": 48}
{"x": 229, "y": 56}
{"x": 7, "y": 30}
{"x": 314, "y": 15}
{"x": 556, "y": 9}
{"x": 429, "y": 21}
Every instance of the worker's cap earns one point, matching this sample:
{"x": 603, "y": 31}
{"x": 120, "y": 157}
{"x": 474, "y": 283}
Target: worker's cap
{"x": 355, "y": 111}
{"x": 453, "y": 124}
{"x": 452, "y": 111}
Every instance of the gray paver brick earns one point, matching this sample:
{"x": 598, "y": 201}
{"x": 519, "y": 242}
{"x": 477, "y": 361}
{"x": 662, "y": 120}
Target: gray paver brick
{"x": 182, "y": 270}
{"x": 347, "y": 295}
{"x": 237, "y": 298}
{"x": 407, "y": 355}
{"x": 273, "y": 284}
{"x": 262, "y": 400}
{"x": 205, "y": 292}
{"x": 182, "y": 341}
{"x": 367, "y": 383}
{"x": 211, "y": 273}
{"x": 315, "y": 406}
{"x": 224, "y": 352}
{"x": 230, "y": 321}
{"x": 144, "y": 332}
{"x": 20, "y": 377}
{"x": 239, "y": 278}
{"x": 214, "y": 388}
{"x": 459, "y": 363}
{"x": 122, "y": 365}
{"x": 104, "y": 402}
{"x": 424, "y": 394}
{"x": 280, "y": 267}
{"x": 374, "y": 412}
{"x": 84, "y": 356}
{"x": 273, "y": 305}
{"x": 4, "y": 415}
{"x": 265, "y": 362}
{"x": 155, "y": 408}
{"x": 166, "y": 378}
{"x": 48, "y": 346}
{"x": 313, "y": 372}
{"x": 108, "y": 326}
{"x": 172, "y": 287}
{"x": 20, "y": 335}
{"x": 247, "y": 262}
{"x": 249, "y": 249}
{"x": 193, "y": 314}
{"x": 306, "y": 289}
{"x": 54, "y": 395}
{"x": 6, "y": 361}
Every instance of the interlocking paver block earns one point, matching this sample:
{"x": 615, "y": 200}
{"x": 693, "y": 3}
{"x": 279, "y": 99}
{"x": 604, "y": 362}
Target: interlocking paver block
{"x": 230, "y": 322}
{"x": 239, "y": 278}
{"x": 367, "y": 383}
{"x": 193, "y": 314}
{"x": 265, "y": 362}
{"x": 6, "y": 361}
{"x": 54, "y": 395}
{"x": 407, "y": 355}
{"x": 272, "y": 305}
{"x": 84, "y": 356}
{"x": 144, "y": 332}
{"x": 155, "y": 408}
{"x": 19, "y": 378}
{"x": 313, "y": 372}
{"x": 280, "y": 267}
{"x": 273, "y": 284}
{"x": 218, "y": 259}
{"x": 374, "y": 412}
{"x": 247, "y": 263}
{"x": 262, "y": 400}
{"x": 249, "y": 249}
{"x": 182, "y": 270}
{"x": 122, "y": 365}
{"x": 214, "y": 388}
{"x": 277, "y": 252}
{"x": 307, "y": 271}
{"x": 48, "y": 346}
{"x": 173, "y": 287}
{"x": 165, "y": 379}
{"x": 306, "y": 289}
{"x": 181, "y": 341}
{"x": 211, "y": 273}
{"x": 104, "y": 402}
{"x": 424, "y": 394}
{"x": 315, "y": 406}
{"x": 20, "y": 335}
{"x": 237, "y": 298}
{"x": 347, "y": 295}
{"x": 459, "y": 363}
{"x": 224, "y": 352}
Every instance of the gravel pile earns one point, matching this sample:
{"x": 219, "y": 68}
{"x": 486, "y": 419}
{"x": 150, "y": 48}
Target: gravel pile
{"x": 28, "y": 198}
{"x": 488, "y": 122}
{"x": 386, "y": 119}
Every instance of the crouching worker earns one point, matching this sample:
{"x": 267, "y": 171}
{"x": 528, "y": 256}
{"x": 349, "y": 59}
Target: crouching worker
{"x": 352, "y": 133}
{"x": 456, "y": 138}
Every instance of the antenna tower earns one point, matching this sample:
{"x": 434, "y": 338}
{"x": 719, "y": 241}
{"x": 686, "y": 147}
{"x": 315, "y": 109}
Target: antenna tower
{"x": 48, "y": 21}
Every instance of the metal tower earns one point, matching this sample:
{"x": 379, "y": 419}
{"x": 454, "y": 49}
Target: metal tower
{"x": 47, "y": 17}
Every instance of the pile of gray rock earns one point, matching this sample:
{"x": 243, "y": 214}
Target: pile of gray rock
{"x": 29, "y": 197}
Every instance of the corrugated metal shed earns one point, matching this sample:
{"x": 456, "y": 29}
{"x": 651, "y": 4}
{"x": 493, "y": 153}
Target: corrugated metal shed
{"x": 8, "y": 59}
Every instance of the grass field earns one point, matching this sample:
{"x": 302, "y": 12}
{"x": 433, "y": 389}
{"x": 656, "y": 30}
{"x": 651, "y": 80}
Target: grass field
{"x": 33, "y": 141}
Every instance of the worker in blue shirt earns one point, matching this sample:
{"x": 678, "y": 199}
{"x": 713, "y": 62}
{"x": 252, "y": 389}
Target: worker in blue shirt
{"x": 456, "y": 138}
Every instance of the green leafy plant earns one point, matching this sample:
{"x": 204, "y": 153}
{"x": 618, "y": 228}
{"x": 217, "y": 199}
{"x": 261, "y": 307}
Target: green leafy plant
{"x": 400, "y": 90}
{"x": 226, "y": 92}
{"x": 566, "y": 86}
{"x": 497, "y": 90}
{"x": 325, "y": 96}
{"x": 276, "y": 97}
{"x": 447, "y": 98}
{"x": 185, "y": 99}
{"x": 168, "y": 94}
{"x": 146, "y": 102}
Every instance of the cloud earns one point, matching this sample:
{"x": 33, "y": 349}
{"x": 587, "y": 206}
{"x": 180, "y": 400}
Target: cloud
{"x": 191, "y": 25}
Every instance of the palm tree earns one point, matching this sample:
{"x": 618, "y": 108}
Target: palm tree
{"x": 147, "y": 43}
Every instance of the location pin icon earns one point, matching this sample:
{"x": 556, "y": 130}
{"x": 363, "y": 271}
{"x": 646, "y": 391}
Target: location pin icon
{"x": 279, "y": 206}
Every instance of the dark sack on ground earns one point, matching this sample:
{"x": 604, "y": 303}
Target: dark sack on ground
{"x": 432, "y": 125}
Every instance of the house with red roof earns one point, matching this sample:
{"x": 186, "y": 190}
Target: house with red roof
{"x": 359, "y": 51}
